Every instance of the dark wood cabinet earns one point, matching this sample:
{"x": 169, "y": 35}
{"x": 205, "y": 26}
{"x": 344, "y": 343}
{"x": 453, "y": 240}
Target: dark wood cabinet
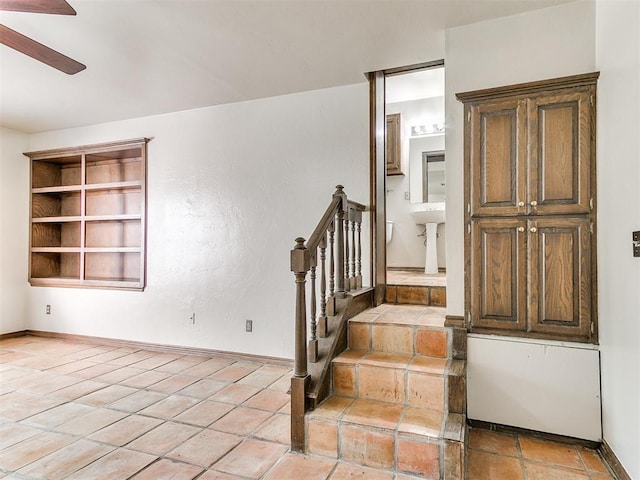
{"x": 498, "y": 157}
{"x": 531, "y": 155}
{"x": 560, "y": 140}
{"x": 529, "y": 191}
{"x": 498, "y": 273}
{"x": 559, "y": 284}
{"x": 393, "y": 142}
{"x": 531, "y": 275}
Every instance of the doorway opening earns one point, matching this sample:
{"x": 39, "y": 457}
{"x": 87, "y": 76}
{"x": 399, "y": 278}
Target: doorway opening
{"x": 415, "y": 186}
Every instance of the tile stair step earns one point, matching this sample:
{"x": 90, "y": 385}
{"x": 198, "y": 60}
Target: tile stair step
{"x": 397, "y": 361}
{"x": 414, "y": 330}
{"x": 413, "y": 380}
{"x": 398, "y": 438}
{"x": 404, "y": 315}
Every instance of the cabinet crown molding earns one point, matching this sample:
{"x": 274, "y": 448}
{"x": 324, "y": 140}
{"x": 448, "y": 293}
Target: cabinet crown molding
{"x": 585, "y": 79}
{"x": 94, "y": 147}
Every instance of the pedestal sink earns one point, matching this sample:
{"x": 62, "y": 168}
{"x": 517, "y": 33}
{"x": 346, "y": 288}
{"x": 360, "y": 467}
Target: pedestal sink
{"x": 430, "y": 215}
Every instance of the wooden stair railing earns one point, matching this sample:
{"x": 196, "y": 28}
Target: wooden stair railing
{"x": 339, "y": 231}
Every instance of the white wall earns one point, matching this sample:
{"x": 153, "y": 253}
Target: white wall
{"x": 542, "y": 44}
{"x": 532, "y": 386}
{"x": 14, "y": 229}
{"x": 618, "y": 60}
{"x": 229, "y": 189}
{"x": 406, "y": 249}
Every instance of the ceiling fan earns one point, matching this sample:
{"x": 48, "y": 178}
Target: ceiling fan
{"x": 30, "y": 47}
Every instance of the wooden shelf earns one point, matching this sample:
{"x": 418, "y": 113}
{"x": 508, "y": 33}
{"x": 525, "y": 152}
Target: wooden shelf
{"x": 132, "y": 184}
{"x": 94, "y": 218}
{"x": 75, "y": 218}
{"x": 88, "y": 218}
{"x": 103, "y": 218}
{"x": 55, "y": 249}
{"x": 57, "y": 189}
{"x": 86, "y": 249}
{"x": 112, "y": 249}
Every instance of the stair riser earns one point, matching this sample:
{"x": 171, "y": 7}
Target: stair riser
{"x": 377, "y": 448}
{"x": 430, "y": 341}
{"x": 393, "y": 385}
{"x": 416, "y": 295}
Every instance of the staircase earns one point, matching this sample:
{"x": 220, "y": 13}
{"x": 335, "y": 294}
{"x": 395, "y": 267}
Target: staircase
{"x": 398, "y": 396}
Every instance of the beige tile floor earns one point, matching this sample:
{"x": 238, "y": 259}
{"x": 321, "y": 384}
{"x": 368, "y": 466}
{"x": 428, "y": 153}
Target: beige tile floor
{"x": 79, "y": 411}
{"x": 496, "y": 456}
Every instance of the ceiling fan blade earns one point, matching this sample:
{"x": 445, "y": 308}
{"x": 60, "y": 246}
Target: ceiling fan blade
{"x": 57, "y": 7}
{"x": 38, "y": 51}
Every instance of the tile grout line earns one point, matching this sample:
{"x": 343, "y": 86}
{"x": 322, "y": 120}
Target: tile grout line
{"x": 525, "y": 474}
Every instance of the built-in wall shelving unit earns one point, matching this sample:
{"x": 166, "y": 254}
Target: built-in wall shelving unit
{"x": 88, "y": 207}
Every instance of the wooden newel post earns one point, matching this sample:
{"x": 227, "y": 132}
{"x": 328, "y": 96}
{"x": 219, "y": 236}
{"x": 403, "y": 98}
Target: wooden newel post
{"x": 300, "y": 265}
{"x": 340, "y": 254}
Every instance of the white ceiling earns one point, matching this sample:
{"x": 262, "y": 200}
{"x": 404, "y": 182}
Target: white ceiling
{"x": 147, "y": 57}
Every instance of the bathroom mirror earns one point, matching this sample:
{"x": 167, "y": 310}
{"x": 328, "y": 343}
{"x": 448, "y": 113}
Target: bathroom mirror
{"x": 423, "y": 172}
{"x": 433, "y": 176}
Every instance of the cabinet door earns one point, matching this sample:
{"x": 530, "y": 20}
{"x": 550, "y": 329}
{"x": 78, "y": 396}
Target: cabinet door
{"x": 560, "y": 276}
{"x": 393, "y": 140}
{"x": 498, "y": 274}
{"x": 497, "y": 139}
{"x": 560, "y": 132}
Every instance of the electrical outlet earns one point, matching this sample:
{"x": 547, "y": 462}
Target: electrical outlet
{"x": 407, "y": 196}
{"x": 192, "y": 318}
{"x": 48, "y": 310}
{"x": 249, "y": 325}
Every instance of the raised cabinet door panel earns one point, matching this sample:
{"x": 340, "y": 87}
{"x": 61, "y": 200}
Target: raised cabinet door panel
{"x": 393, "y": 142}
{"x": 560, "y": 276}
{"x": 498, "y": 155}
{"x": 498, "y": 273}
{"x": 560, "y": 129}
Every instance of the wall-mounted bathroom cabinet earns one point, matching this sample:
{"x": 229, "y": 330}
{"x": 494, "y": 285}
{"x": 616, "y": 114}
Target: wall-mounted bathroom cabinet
{"x": 529, "y": 196}
{"x": 393, "y": 143}
{"x": 88, "y": 216}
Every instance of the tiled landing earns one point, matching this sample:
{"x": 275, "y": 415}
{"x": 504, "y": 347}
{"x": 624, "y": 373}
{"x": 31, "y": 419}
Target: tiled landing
{"x": 411, "y": 277}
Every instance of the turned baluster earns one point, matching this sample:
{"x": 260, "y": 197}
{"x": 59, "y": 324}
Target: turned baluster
{"x": 331, "y": 300}
{"x": 340, "y": 250}
{"x": 347, "y": 251}
{"x": 356, "y": 217}
{"x": 359, "y": 257}
{"x": 312, "y": 349}
{"x": 352, "y": 256}
{"x": 322, "y": 319}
